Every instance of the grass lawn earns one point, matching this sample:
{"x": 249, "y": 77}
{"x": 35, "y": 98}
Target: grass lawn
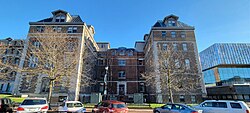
{"x": 15, "y": 99}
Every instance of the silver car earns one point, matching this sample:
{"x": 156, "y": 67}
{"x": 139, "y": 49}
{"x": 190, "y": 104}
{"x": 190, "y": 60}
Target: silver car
{"x": 176, "y": 108}
{"x": 31, "y": 105}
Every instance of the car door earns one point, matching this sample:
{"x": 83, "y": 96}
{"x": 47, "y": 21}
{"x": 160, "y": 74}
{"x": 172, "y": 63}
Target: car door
{"x": 176, "y": 108}
{"x": 206, "y": 107}
{"x": 103, "y": 107}
{"x": 236, "y": 107}
{"x": 166, "y": 108}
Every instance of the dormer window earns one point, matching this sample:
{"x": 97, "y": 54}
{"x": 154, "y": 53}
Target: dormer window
{"x": 171, "y": 22}
{"x": 60, "y": 18}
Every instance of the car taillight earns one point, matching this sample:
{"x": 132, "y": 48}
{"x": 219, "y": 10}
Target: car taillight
{"x": 20, "y": 109}
{"x": 45, "y": 107}
{"x": 111, "y": 110}
{"x": 247, "y": 111}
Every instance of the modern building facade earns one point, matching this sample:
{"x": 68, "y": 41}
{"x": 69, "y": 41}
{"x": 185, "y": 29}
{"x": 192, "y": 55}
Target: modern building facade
{"x": 180, "y": 37}
{"x": 79, "y": 37}
{"x": 11, "y": 52}
{"x": 227, "y": 66}
{"x": 223, "y": 62}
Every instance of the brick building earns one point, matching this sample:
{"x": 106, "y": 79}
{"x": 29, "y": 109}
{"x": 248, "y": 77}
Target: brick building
{"x": 125, "y": 66}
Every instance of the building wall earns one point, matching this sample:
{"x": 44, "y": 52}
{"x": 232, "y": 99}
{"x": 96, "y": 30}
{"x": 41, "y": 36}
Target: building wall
{"x": 10, "y": 54}
{"x": 161, "y": 34}
{"x": 132, "y": 68}
{"x": 81, "y": 35}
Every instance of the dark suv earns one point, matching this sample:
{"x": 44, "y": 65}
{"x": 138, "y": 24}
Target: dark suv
{"x": 6, "y": 105}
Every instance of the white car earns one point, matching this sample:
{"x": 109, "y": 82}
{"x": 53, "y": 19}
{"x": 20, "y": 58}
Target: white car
{"x": 223, "y": 106}
{"x": 72, "y": 106}
{"x": 31, "y": 105}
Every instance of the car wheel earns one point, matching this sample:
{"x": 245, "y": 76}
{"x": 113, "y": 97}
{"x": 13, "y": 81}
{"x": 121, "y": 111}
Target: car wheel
{"x": 10, "y": 111}
{"x": 156, "y": 112}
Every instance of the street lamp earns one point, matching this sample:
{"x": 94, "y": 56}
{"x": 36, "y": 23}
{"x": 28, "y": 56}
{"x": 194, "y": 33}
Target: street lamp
{"x": 105, "y": 83}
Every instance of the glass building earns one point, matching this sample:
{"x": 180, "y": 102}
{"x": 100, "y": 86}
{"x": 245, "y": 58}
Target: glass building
{"x": 226, "y": 64}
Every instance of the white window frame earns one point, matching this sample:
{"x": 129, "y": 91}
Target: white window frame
{"x": 122, "y": 62}
{"x": 187, "y": 63}
{"x": 173, "y": 34}
{"x": 184, "y": 47}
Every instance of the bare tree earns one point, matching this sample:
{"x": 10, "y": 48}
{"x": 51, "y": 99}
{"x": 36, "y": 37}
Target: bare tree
{"x": 175, "y": 72}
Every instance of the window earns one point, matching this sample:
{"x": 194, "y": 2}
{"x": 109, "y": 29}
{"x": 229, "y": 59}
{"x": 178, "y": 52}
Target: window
{"x": 101, "y": 62}
{"x": 72, "y": 29}
{"x": 182, "y": 99}
{"x": 57, "y": 29}
{"x": 122, "y": 52}
{"x": 177, "y": 63}
{"x": 121, "y": 75}
{"x": 184, "y": 47}
{"x": 130, "y": 53}
{"x": 60, "y": 18}
{"x": 171, "y": 23}
{"x": 163, "y": 33}
{"x": 235, "y": 105}
{"x": 17, "y": 60}
{"x": 40, "y": 29}
{"x": 33, "y": 61}
{"x": 215, "y": 104}
{"x": 193, "y": 100}
{"x": 164, "y": 47}
{"x": 175, "y": 47}
{"x": 140, "y": 62}
{"x": 183, "y": 34}
{"x": 121, "y": 62}
{"x": 187, "y": 64}
{"x": 113, "y": 53}
{"x": 173, "y": 34}
{"x": 36, "y": 44}
{"x": 142, "y": 87}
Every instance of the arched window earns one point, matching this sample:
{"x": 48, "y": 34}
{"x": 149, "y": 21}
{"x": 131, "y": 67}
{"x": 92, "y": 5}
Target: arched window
{"x": 45, "y": 84}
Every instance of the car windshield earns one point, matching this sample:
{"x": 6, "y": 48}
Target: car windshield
{"x": 118, "y": 106}
{"x": 33, "y": 102}
{"x": 71, "y": 105}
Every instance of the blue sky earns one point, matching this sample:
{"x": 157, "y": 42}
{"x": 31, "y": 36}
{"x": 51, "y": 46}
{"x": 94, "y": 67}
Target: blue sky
{"x": 122, "y": 22}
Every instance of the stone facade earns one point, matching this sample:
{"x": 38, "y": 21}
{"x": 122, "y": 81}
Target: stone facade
{"x": 79, "y": 37}
{"x": 171, "y": 33}
{"x": 127, "y": 69}
{"x": 11, "y": 52}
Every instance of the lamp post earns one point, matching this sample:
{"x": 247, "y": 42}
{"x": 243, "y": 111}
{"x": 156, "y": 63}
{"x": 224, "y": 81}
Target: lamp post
{"x": 105, "y": 83}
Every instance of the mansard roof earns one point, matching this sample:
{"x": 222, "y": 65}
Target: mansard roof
{"x": 71, "y": 19}
{"x": 179, "y": 24}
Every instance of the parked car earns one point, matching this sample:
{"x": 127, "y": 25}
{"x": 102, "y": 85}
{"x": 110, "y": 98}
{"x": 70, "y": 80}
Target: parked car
{"x": 176, "y": 108}
{"x": 72, "y": 106}
{"x": 6, "y": 105}
{"x": 223, "y": 106}
{"x": 33, "y": 105}
{"x": 110, "y": 106}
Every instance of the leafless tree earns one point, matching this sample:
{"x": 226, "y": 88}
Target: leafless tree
{"x": 176, "y": 74}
